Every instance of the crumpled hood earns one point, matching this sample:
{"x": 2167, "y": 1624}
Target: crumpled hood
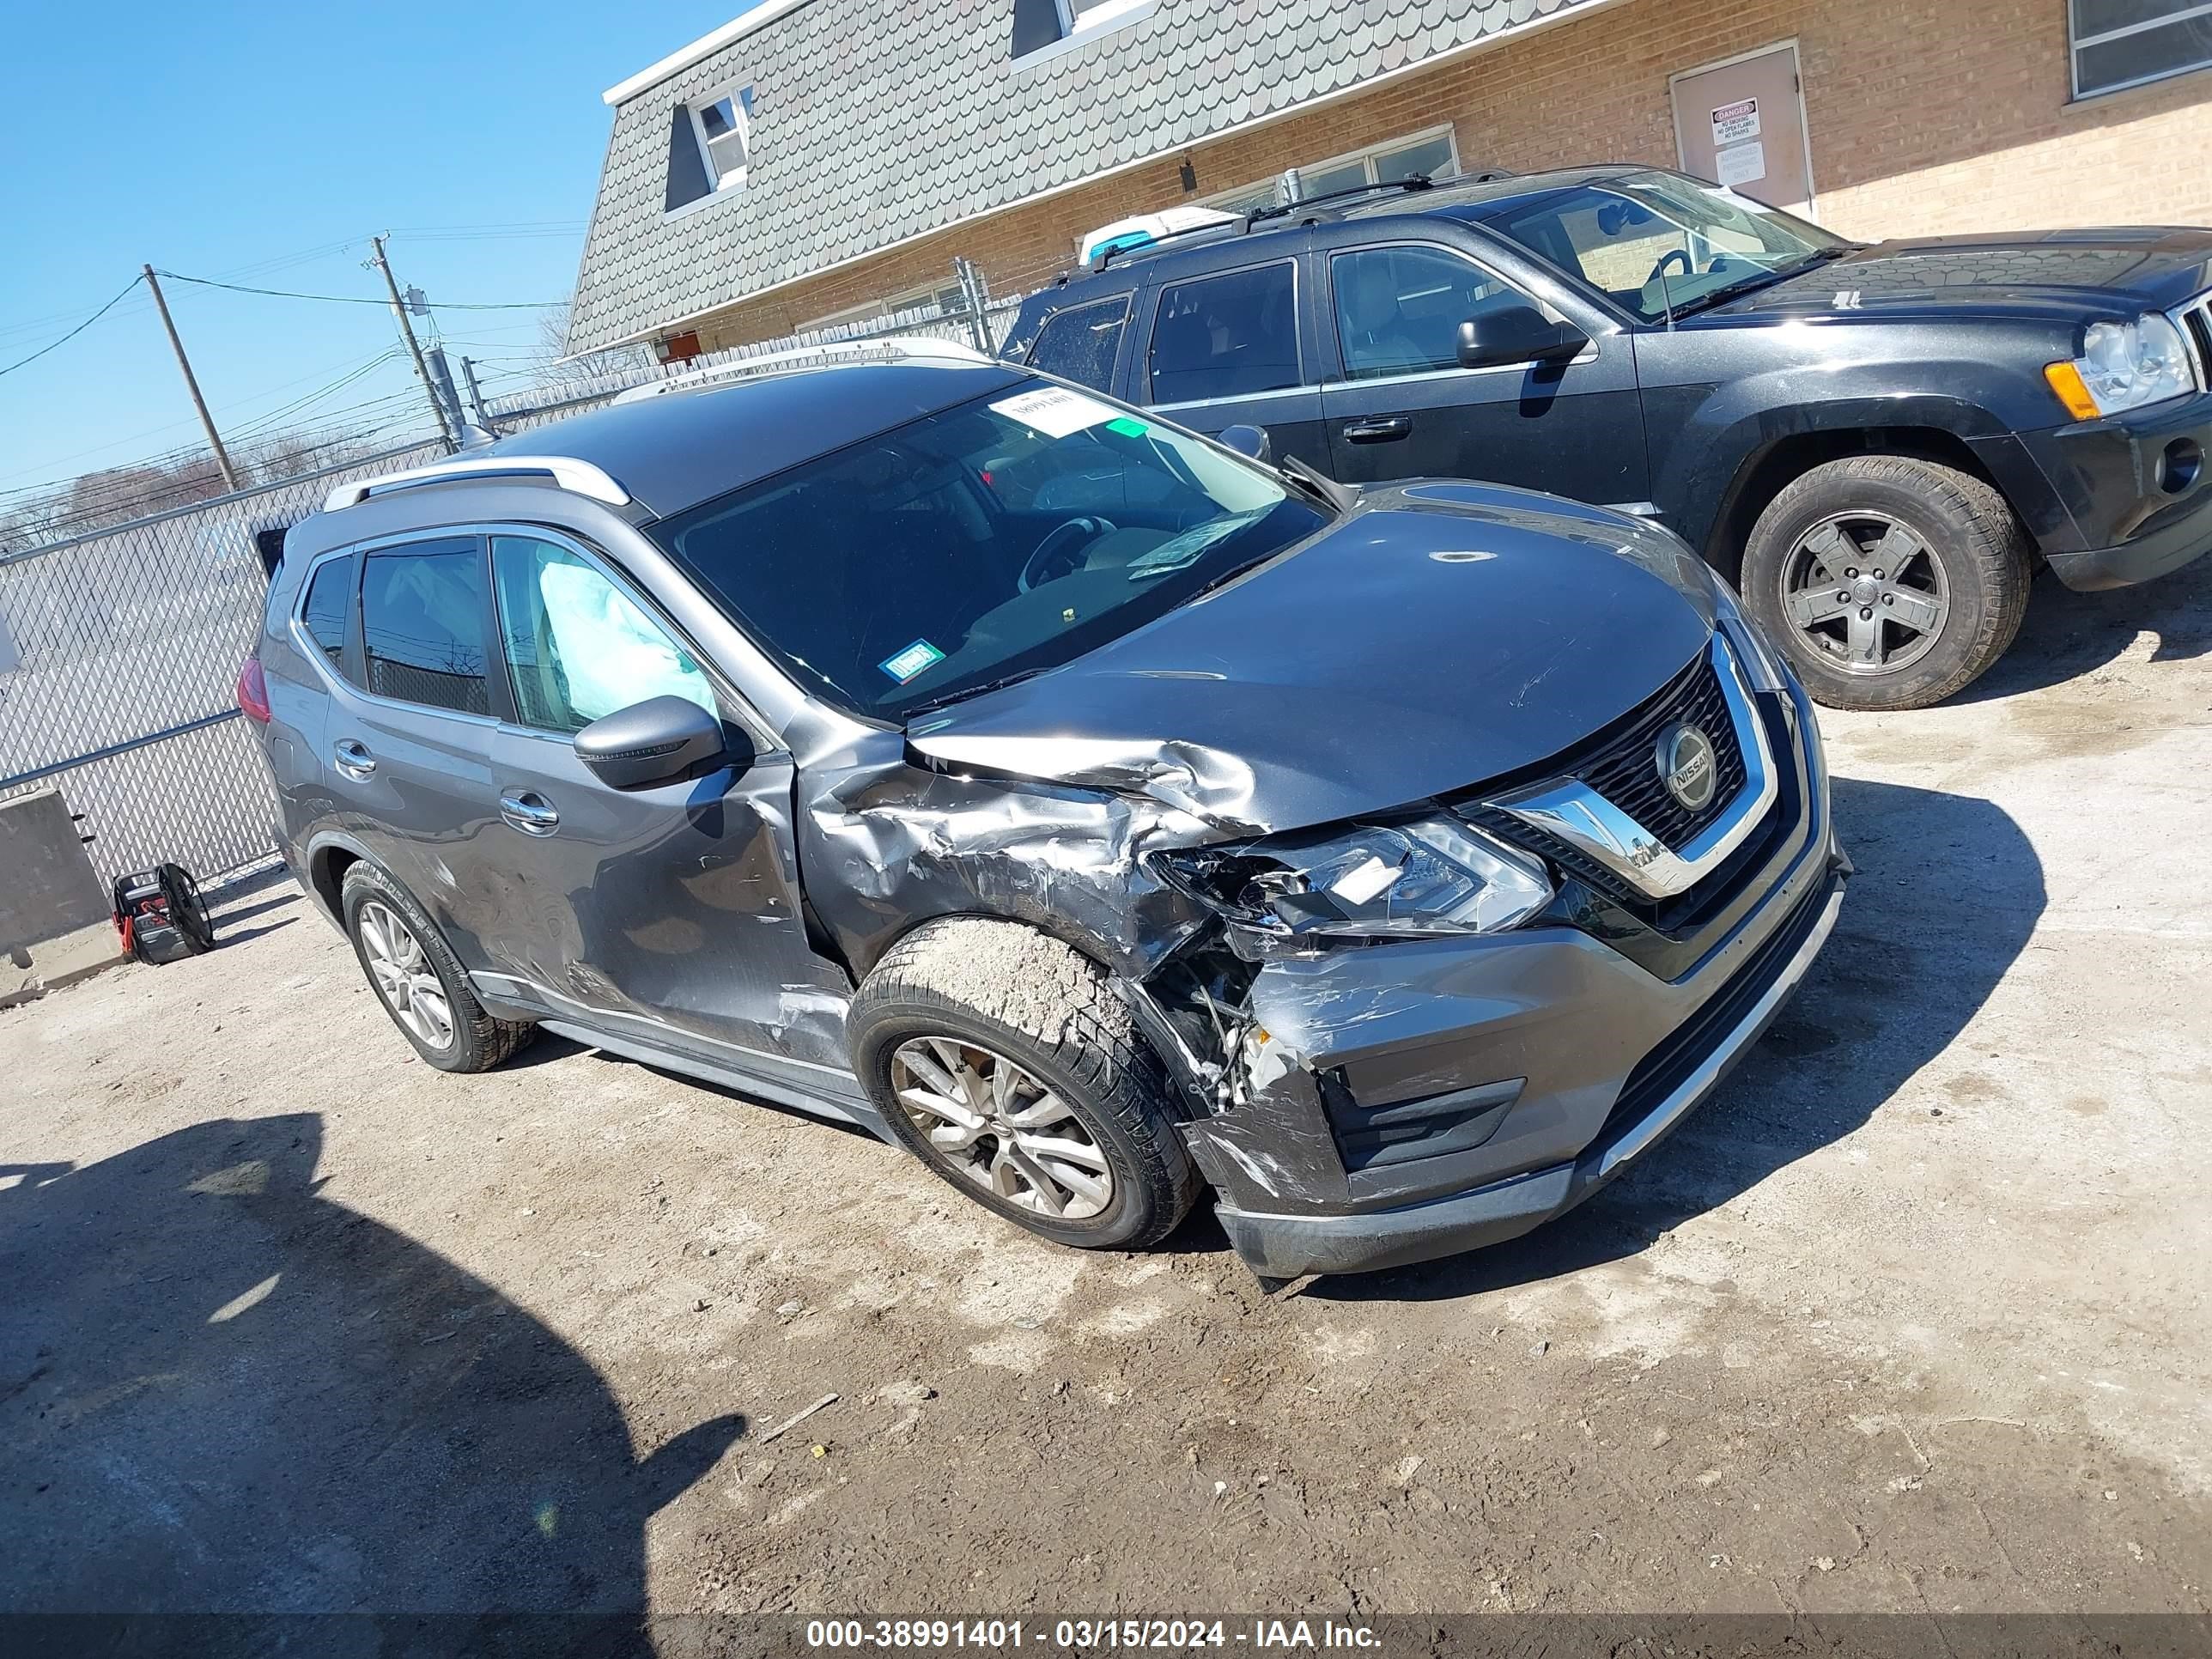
{"x": 1435, "y": 637}
{"x": 2059, "y": 270}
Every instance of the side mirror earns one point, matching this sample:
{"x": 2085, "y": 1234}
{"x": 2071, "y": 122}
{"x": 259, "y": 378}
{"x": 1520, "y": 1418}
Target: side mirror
{"x": 660, "y": 740}
{"x": 1249, "y": 441}
{"x": 1516, "y": 334}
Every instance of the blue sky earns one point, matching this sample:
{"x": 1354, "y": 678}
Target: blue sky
{"x": 224, "y": 139}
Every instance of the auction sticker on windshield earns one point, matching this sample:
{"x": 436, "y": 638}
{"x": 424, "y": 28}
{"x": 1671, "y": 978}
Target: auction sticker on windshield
{"x": 1055, "y": 411}
{"x": 906, "y": 663}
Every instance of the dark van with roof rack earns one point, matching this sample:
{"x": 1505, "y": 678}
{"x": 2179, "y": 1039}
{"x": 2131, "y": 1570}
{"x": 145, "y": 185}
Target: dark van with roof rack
{"x": 1878, "y": 443}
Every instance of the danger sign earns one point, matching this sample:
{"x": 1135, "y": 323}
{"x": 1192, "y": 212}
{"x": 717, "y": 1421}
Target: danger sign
{"x": 1734, "y": 123}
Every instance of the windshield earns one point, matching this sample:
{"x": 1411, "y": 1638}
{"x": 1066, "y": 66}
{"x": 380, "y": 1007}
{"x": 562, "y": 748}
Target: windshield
{"x": 1657, "y": 241}
{"x": 986, "y": 541}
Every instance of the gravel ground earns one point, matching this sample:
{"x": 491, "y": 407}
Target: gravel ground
{"x": 1912, "y": 1316}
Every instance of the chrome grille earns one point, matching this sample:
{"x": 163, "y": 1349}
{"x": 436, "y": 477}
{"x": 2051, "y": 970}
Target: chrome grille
{"x": 2194, "y": 319}
{"x": 1625, "y": 768}
{"x": 1602, "y": 813}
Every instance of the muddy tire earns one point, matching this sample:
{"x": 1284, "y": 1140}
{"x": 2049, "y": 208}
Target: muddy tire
{"x": 1003, "y": 1058}
{"x": 1890, "y": 583}
{"x": 404, "y": 956}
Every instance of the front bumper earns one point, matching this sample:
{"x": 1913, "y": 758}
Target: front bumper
{"x": 1285, "y": 1245}
{"x": 1427, "y": 1096}
{"x": 2137, "y": 490}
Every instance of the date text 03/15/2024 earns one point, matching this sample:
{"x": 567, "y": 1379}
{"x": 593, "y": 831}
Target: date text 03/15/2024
{"x": 1088, "y": 1634}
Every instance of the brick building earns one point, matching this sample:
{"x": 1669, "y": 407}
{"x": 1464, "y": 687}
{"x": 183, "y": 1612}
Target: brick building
{"x": 815, "y": 161}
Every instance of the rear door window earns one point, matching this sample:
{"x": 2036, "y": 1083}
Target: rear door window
{"x": 1226, "y": 336}
{"x": 422, "y": 610}
{"x": 1079, "y": 344}
{"x": 327, "y": 611}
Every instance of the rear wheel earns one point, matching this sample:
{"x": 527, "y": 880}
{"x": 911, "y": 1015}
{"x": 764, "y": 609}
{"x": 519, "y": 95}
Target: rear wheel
{"x": 418, "y": 979}
{"x": 1002, "y": 1060}
{"x": 1891, "y": 583}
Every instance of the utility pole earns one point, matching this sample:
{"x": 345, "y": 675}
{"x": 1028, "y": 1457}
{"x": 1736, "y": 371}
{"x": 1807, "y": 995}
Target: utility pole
{"x": 407, "y": 330}
{"x": 476, "y": 396}
{"x": 192, "y": 386}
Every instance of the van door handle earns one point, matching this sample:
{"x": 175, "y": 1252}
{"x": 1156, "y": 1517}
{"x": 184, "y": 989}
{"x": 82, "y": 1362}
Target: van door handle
{"x": 351, "y": 757}
{"x": 530, "y": 812}
{"x": 1387, "y": 430}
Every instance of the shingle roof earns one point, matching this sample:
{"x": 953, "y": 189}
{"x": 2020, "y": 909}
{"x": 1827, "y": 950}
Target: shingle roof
{"x": 874, "y": 123}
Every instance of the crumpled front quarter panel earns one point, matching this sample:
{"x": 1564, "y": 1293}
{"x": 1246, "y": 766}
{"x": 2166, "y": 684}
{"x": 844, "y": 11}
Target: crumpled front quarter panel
{"x": 885, "y": 844}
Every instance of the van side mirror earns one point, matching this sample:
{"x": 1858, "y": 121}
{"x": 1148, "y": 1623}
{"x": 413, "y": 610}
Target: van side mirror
{"x": 1249, "y": 441}
{"x": 660, "y": 740}
{"x": 1516, "y": 334}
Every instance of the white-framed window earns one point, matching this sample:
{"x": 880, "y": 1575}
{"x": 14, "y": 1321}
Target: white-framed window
{"x": 945, "y": 296}
{"x": 2119, "y": 43}
{"x": 725, "y": 122}
{"x": 1433, "y": 152}
{"x": 1044, "y": 28}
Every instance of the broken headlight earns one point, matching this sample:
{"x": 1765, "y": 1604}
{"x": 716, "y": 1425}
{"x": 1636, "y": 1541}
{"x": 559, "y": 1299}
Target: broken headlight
{"x": 1413, "y": 880}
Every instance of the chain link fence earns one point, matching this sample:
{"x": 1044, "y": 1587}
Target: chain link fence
{"x": 119, "y": 650}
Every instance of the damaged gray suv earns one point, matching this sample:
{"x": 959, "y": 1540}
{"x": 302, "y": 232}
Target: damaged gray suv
{"x": 1096, "y": 812}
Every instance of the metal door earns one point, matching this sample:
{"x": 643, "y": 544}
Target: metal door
{"x": 1741, "y": 122}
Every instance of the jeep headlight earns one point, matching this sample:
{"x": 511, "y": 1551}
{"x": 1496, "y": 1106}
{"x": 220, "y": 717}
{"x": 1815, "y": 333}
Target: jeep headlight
{"x": 2124, "y": 366}
{"x": 1413, "y": 880}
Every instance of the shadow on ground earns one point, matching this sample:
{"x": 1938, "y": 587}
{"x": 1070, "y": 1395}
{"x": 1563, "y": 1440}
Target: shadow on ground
{"x": 219, "y": 1391}
{"x": 2068, "y": 634}
{"x": 1948, "y": 891}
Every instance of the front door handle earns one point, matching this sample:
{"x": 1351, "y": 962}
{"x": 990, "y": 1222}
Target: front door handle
{"x": 1386, "y": 430}
{"x": 530, "y": 812}
{"x": 351, "y": 757}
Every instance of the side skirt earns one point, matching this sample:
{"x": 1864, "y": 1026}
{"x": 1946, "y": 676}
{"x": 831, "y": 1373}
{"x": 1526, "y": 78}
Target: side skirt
{"x": 743, "y": 1071}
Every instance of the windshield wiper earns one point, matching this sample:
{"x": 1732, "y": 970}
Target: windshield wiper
{"x": 1759, "y": 279}
{"x": 1314, "y": 485}
{"x": 962, "y": 693}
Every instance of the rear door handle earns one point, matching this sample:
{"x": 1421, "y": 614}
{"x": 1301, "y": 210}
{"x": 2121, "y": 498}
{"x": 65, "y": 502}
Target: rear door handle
{"x": 1387, "y": 430}
{"x": 530, "y": 812}
{"x": 351, "y": 757}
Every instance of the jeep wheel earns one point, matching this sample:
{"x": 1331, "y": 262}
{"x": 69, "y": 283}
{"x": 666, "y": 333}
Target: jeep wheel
{"x": 1002, "y": 1058}
{"x": 1891, "y": 583}
{"x": 418, "y": 979}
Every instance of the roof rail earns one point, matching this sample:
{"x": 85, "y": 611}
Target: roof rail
{"x": 890, "y": 349}
{"x": 1285, "y": 210}
{"x": 579, "y": 477}
{"x": 1234, "y": 226}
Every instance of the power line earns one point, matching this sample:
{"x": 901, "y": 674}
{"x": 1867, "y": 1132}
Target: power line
{"x": 355, "y": 300}
{"x": 78, "y": 330}
{"x": 261, "y": 423}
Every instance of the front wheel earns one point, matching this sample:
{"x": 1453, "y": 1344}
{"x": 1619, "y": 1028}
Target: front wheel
{"x": 1891, "y": 583}
{"x": 1002, "y": 1060}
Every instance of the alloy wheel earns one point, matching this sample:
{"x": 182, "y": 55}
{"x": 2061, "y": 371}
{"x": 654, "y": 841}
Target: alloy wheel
{"x": 1865, "y": 592}
{"x": 999, "y": 1127}
{"x": 404, "y": 976}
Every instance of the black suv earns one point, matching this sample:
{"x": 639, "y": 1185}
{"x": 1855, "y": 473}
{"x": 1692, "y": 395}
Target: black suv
{"x": 1878, "y": 443}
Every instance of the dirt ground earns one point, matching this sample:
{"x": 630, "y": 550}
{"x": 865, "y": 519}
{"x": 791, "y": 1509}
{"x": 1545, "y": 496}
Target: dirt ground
{"x": 1913, "y": 1315}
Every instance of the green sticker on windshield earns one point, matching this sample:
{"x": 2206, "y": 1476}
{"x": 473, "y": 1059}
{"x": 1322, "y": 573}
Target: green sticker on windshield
{"x": 1126, "y": 427}
{"x": 904, "y": 665}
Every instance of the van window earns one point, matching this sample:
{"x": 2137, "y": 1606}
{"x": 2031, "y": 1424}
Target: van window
{"x": 422, "y": 621}
{"x": 1079, "y": 344}
{"x": 325, "y": 613}
{"x": 1226, "y": 336}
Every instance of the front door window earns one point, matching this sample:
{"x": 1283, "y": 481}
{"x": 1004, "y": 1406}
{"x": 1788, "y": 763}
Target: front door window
{"x": 577, "y": 646}
{"x": 1399, "y": 309}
